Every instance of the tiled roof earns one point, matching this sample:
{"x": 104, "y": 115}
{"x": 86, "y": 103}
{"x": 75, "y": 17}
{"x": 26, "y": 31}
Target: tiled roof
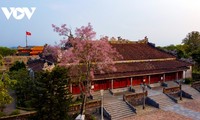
{"x": 37, "y": 64}
{"x": 144, "y": 68}
{"x": 138, "y": 59}
{"x": 142, "y": 59}
{"x": 140, "y": 51}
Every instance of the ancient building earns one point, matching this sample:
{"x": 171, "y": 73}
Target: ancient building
{"x": 141, "y": 61}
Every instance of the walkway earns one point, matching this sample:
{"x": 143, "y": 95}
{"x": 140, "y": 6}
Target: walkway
{"x": 184, "y": 111}
{"x": 174, "y": 109}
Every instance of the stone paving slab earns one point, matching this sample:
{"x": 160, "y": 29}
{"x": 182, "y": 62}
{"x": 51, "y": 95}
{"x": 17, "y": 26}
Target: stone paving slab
{"x": 154, "y": 92}
{"x": 184, "y": 111}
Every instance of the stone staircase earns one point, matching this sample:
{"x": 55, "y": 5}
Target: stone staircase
{"x": 195, "y": 94}
{"x": 163, "y": 100}
{"x": 114, "y": 105}
{"x": 118, "y": 110}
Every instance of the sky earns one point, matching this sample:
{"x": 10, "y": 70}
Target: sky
{"x": 164, "y": 22}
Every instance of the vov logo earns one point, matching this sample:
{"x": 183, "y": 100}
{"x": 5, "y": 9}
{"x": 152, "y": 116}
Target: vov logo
{"x": 19, "y": 12}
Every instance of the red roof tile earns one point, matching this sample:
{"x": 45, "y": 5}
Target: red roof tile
{"x": 144, "y": 68}
{"x": 150, "y": 60}
{"x": 140, "y": 51}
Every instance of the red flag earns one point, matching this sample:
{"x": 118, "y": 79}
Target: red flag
{"x": 28, "y": 33}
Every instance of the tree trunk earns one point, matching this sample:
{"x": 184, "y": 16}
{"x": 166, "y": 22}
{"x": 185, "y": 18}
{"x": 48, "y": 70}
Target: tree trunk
{"x": 87, "y": 90}
{"x": 83, "y": 104}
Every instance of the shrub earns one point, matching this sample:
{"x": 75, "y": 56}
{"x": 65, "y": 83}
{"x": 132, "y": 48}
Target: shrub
{"x": 187, "y": 80}
{"x": 15, "y": 112}
{"x": 2, "y": 114}
{"x": 89, "y": 117}
{"x": 28, "y": 104}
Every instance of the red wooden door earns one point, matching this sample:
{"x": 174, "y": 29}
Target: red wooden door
{"x": 170, "y": 76}
{"x": 75, "y": 89}
{"x": 137, "y": 80}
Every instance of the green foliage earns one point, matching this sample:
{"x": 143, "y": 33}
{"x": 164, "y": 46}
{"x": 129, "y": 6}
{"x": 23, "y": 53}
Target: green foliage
{"x": 178, "y": 50}
{"x": 188, "y": 81}
{"x": 52, "y": 98}
{"x": 90, "y": 117}
{"x": 5, "y": 84}
{"x": 24, "y": 87}
{"x": 4, "y": 51}
{"x": 1, "y": 60}
{"x": 18, "y": 65}
{"x": 15, "y": 112}
{"x": 2, "y": 114}
{"x": 196, "y": 56}
{"x": 196, "y": 76}
{"x": 192, "y": 42}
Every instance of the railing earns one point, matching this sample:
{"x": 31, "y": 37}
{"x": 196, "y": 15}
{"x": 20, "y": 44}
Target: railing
{"x": 23, "y": 116}
{"x": 110, "y": 90}
{"x": 164, "y": 84}
{"x": 172, "y": 98}
{"x": 130, "y": 106}
{"x": 185, "y": 94}
{"x": 171, "y": 90}
{"x": 132, "y": 99}
{"x": 151, "y": 102}
{"x": 105, "y": 113}
{"x": 90, "y": 104}
{"x": 135, "y": 95}
{"x": 196, "y": 85}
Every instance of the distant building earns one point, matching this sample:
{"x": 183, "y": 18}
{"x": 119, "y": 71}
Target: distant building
{"x": 141, "y": 61}
{"x": 23, "y": 54}
{"x": 29, "y": 51}
{"x": 8, "y": 61}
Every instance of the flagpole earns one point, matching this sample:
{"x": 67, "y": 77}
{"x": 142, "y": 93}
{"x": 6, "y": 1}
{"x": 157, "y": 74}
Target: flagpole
{"x": 26, "y": 40}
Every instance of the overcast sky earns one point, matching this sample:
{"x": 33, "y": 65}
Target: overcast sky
{"x": 164, "y": 22}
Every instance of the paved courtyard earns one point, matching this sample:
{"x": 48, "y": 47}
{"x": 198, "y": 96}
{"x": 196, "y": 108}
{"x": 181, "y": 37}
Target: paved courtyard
{"x": 186, "y": 110}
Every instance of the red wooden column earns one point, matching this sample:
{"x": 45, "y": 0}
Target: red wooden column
{"x": 176, "y": 75}
{"x": 185, "y": 74}
{"x": 70, "y": 87}
{"x": 149, "y": 79}
{"x": 163, "y": 77}
{"x": 131, "y": 81}
{"x": 112, "y": 84}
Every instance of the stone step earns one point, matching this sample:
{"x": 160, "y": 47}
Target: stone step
{"x": 163, "y": 100}
{"x": 116, "y": 114}
{"x": 113, "y": 102}
{"x": 195, "y": 94}
{"x": 118, "y": 109}
{"x": 116, "y": 106}
{"x": 121, "y": 117}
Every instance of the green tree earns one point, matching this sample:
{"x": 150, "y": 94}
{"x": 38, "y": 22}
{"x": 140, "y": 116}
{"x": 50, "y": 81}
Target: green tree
{"x": 196, "y": 57}
{"x": 18, "y": 65}
{"x": 1, "y": 60}
{"x": 4, "y": 51}
{"x": 5, "y": 84}
{"x": 52, "y": 98}
{"x": 192, "y": 42}
{"x": 177, "y": 50}
{"x": 24, "y": 87}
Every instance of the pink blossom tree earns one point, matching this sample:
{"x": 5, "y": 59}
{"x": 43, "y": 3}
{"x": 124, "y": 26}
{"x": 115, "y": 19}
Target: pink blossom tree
{"x": 84, "y": 54}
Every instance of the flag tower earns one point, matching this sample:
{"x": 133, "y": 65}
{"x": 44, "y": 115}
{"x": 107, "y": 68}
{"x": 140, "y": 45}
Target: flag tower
{"x": 27, "y": 34}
